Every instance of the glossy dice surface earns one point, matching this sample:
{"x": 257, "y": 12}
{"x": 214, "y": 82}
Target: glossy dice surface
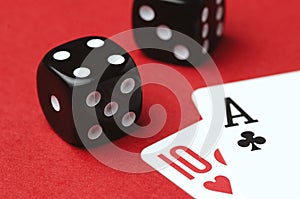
{"x": 89, "y": 90}
{"x": 201, "y": 20}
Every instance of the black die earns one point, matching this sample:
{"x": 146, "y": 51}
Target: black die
{"x": 201, "y": 20}
{"x": 90, "y": 91}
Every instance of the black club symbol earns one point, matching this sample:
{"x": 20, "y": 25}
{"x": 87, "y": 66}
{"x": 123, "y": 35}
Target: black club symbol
{"x": 251, "y": 139}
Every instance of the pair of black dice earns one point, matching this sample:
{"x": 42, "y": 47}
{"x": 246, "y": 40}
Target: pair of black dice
{"x": 90, "y": 88}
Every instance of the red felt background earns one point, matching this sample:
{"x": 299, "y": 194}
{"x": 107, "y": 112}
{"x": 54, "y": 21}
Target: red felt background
{"x": 261, "y": 38}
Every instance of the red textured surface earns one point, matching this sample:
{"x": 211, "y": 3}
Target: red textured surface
{"x": 261, "y": 38}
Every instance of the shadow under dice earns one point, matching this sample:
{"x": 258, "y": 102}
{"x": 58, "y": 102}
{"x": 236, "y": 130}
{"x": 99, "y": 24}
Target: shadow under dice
{"x": 90, "y": 91}
{"x": 202, "y": 21}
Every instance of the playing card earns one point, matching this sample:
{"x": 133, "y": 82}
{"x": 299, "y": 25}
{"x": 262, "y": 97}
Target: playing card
{"x": 258, "y": 140}
{"x": 176, "y": 158}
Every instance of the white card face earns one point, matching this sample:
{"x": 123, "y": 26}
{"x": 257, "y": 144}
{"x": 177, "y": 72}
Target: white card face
{"x": 212, "y": 178}
{"x": 260, "y": 142}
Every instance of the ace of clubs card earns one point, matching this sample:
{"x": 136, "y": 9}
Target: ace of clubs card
{"x": 253, "y": 154}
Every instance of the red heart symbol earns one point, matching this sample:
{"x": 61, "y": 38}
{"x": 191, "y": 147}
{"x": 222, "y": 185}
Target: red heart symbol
{"x": 222, "y": 184}
{"x": 219, "y": 157}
